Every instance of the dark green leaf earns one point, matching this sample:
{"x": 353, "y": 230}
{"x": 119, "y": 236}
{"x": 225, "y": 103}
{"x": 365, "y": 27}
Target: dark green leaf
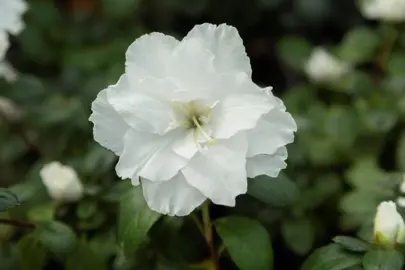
{"x": 380, "y": 259}
{"x": 331, "y": 257}
{"x": 294, "y": 51}
{"x": 247, "y": 242}
{"x": 31, "y": 253}
{"x": 135, "y": 220}
{"x": 56, "y": 237}
{"x": 7, "y": 199}
{"x": 299, "y": 235}
{"x": 84, "y": 258}
{"x": 350, "y": 243}
{"x": 86, "y": 209}
{"x": 280, "y": 191}
{"x": 396, "y": 64}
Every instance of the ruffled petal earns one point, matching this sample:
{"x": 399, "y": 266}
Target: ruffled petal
{"x": 174, "y": 197}
{"x": 226, "y": 45}
{"x": 219, "y": 171}
{"x": 150, "y": 156}
{"x": 149, "y": 55}
{"x": 274, "y": 130}
{"x": 270, "y": 165}
{"x": 109, "y": 127}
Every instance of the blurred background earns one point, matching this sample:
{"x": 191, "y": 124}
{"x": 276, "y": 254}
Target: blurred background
{"x": 346, "y": 158}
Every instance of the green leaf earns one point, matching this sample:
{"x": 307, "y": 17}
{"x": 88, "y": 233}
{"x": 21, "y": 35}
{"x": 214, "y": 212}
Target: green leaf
{"x": 44, "y": 212}
{"x": 299, "y": 235}
{"x": 135, "y": 220}
{"x": 247, "y": 242}
{"x": 31, "y": 253}
{"x": 280, "y": 191}
{"x": 84, "y": 258}
{"x": 401, "y": 153}
{"x": 396, "y": 64}
{"x": 7, "y": 199}
{"x": 56, "y": 237}
{"x": 331, "y": 257}
{"x": 86, "y": 209}
{"x": 359, "y": 45}
{"x": 294, "y": 51}
{"x": 380, "y": 259}
{"x": 119, "y": 9}
{"x": 351, "y": 243}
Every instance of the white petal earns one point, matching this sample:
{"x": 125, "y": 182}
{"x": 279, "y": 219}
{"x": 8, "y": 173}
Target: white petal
{"x": 149, "y": 156}
{"x": 239, "y": 111}
{"x": 4, "y": 44}
{"x": 109, "y": 127}
{"x": 149, "y": 55}
{"x": 174, "y": 197}
{"x": 140, "y": 110}
{"x": 274, "y": 130}
{"x": 226, "y": 44}
{"x": 219, "y": 172}
{"x": 270, "y": 165}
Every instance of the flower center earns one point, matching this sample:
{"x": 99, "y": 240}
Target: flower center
{"x": 195, "y": 115}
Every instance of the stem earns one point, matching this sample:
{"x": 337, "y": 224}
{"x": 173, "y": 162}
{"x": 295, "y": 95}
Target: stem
{"x": 387, "y": 48}
{"x": 17, "y": 223}
{"x": 208, "y": 234}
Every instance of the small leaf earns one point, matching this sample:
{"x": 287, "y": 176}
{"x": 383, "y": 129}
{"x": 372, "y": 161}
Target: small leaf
{"x": 247, "y": 242}
{"x": 31, "y": 253}
{"x": 84, "y": 258}
{"x": 41, "y": 213}
{"x": 86, "y": 209}
{"x": 380, "y": 259}
{"x": 7, "y": 199}
{"x": 294, "y": 51}
{"x": 280, "y": 191}
{"x": 359, "y": 45}
{"x": 56, "y": 237}
{"x": 331, "y": 257}
{"x": 351, "y": 243}
{"x": 135, "y": 220}
{"x": 299, "y": 235}
{"x": 396, "y": 64}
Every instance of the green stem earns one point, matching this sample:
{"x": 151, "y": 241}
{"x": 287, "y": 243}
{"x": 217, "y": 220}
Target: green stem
{"x": 17, "y": 223}
{"x": 208, "y": 234}
{"x": 387, "y": 48}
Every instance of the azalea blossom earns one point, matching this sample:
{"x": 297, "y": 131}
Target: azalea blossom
{"x": 61, "y": 182}
{"x": 188, "y": 123}
{"x": 386, "y": 10}
{"x": 11, "y": 12}
{"x": 389, "y": 227}
{"x": 323, "y": 67}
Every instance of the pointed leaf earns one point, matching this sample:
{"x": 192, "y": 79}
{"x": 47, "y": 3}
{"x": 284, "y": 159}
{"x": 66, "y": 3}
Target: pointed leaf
{"x": 7, "y": 199}
{"x": 380, "y": 259}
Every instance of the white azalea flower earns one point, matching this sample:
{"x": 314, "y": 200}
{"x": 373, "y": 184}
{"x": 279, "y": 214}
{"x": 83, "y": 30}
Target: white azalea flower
{"x": 187, "y": 120}
{"x": 386, "y": 10}
{"x": 401, "y": 202}
{"x": 389, "y": 227}
{"x": 61, "y": 182}
{"x": 4, "y": 44}
{"x": 323, "y": 67}
{"x": 11, "y": 12}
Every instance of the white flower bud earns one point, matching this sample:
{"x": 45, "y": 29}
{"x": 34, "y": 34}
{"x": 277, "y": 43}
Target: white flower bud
{"x": 9, "y": 110}
{"x": 401, "y": 202}
{"x": 386, "y": 10}
{"x": 389, "y": 227}
{"x": 62, "y": 182}
{"x": 324, "y": 67}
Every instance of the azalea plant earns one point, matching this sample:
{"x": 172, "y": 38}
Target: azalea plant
{"x": 136, "y": 136}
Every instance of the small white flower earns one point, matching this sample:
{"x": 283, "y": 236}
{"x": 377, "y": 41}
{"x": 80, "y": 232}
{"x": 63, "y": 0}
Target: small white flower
{"x": 389, "y": 227}
{"x": 386, "y": 10}
{"x": 61, "y": 182}
{"x": 187, "y": 120}
{"x": 4, "y": 44}
{"x": 11, "y": 12}
{"x": 323, "y": 67}
{"x": 8, "y": 72}
{"x": 9, "y": 110}
{"x": 401, "y": 202}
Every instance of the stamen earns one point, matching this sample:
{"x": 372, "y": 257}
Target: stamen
{"x": 210, "y": 140}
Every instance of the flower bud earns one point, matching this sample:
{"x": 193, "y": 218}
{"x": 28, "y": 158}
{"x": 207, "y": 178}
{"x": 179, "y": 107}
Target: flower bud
{"x": 389, "y": 227}
{"x": 61, "y": 182}
{"x": 323, "y": 67}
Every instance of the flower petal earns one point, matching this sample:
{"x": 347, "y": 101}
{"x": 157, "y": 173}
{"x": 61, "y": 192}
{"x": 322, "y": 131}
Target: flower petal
{"x": 150, "y": 156}
{"x": 148, "y": 56}
{"x": 274, "y": 130}
{"x": 142, "y": 111}
{"x": 270, "y": 165}
{"x": 109, "y": 127}
{"x": 226, "y": 44}
{"x": 240, "y": 111}
{"x": 219, "y": 171}
{"x": 174, "y": 197}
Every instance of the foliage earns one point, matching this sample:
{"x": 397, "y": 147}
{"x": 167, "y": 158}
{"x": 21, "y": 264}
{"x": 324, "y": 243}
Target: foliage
{"x": 345, "y": 160}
